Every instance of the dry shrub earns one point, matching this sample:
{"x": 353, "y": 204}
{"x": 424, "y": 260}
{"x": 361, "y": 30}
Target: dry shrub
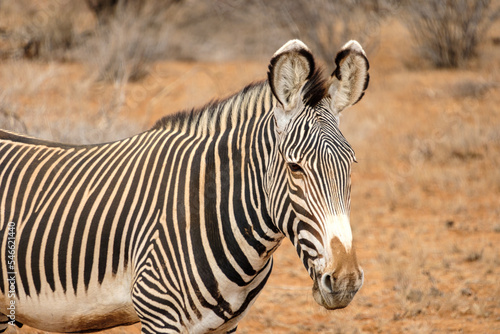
{"x": 46, "y": 31}
{"x": 119, "y": 42}
{"x": 53, "y": 36}
{"x": 252, "y": 29}
{"x": 448, "y": 32}
{"x": 127, "y": 40}
{"x": 326, "y": 25}
{"x": 472, "y": 89}
{"x": 467, "y": 140}
{"x": 103, "y": 9}
{"x": 464, "y": 141}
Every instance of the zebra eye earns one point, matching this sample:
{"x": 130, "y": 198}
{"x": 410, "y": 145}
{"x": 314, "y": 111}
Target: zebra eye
{"x": 295, "y": 168}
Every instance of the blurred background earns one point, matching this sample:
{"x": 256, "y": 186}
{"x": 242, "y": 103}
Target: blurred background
{"x": 426, "y": 191}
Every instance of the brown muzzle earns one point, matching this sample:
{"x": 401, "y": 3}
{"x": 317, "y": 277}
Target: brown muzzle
{"x": 337, "y": 284}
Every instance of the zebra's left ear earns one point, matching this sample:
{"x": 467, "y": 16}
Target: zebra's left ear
{"x": 350, "y": 79}
{"x": 291, "y": 66}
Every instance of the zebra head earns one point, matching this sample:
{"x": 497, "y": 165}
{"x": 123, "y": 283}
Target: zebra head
{"x": 309, "y": 176}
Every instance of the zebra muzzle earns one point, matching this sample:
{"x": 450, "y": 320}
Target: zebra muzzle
{"x": 335, "y": 291}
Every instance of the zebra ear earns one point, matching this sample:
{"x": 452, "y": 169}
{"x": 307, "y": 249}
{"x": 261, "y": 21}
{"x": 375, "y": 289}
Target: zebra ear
{"x": 291, "y": 66}
{"x": 350, "y": 79}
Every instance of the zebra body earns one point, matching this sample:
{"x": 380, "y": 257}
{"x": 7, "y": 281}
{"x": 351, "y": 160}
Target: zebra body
{"x": 176, "y": 227}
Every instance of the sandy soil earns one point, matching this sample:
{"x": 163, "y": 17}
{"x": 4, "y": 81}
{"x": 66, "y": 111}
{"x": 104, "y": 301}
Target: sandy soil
{"x": 426, "y": 192}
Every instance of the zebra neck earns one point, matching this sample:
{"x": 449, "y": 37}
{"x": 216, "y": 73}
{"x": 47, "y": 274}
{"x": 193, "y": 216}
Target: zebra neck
{"x": 216, "y": 161}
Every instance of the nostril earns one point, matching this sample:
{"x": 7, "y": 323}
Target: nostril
{"x": 327, "y": 281}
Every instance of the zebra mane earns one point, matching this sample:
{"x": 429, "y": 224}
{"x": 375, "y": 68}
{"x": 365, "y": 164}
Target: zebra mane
{"x": 238, "y": 107}
{"x": 316, "y": 88}
{"x": 210, "y": 112}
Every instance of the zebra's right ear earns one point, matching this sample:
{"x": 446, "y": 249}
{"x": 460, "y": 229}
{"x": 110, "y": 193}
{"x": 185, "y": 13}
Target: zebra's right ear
{"x": 291, "y": 66}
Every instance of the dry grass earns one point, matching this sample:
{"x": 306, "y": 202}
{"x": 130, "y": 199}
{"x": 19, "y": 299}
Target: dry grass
{"x": 9, "y": 118}
{"x": 449, "y": 32}
{"x": 80, "y": 123}
{"x": 422, "y": 289}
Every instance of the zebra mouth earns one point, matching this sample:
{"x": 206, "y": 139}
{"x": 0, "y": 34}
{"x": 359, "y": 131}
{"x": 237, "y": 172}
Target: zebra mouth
{"x": 333, "y": 297}
{"x": 333, "y": 300}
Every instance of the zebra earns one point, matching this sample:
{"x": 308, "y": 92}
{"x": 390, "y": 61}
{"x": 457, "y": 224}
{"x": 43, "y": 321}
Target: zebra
{"x": 176, "y": 227}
